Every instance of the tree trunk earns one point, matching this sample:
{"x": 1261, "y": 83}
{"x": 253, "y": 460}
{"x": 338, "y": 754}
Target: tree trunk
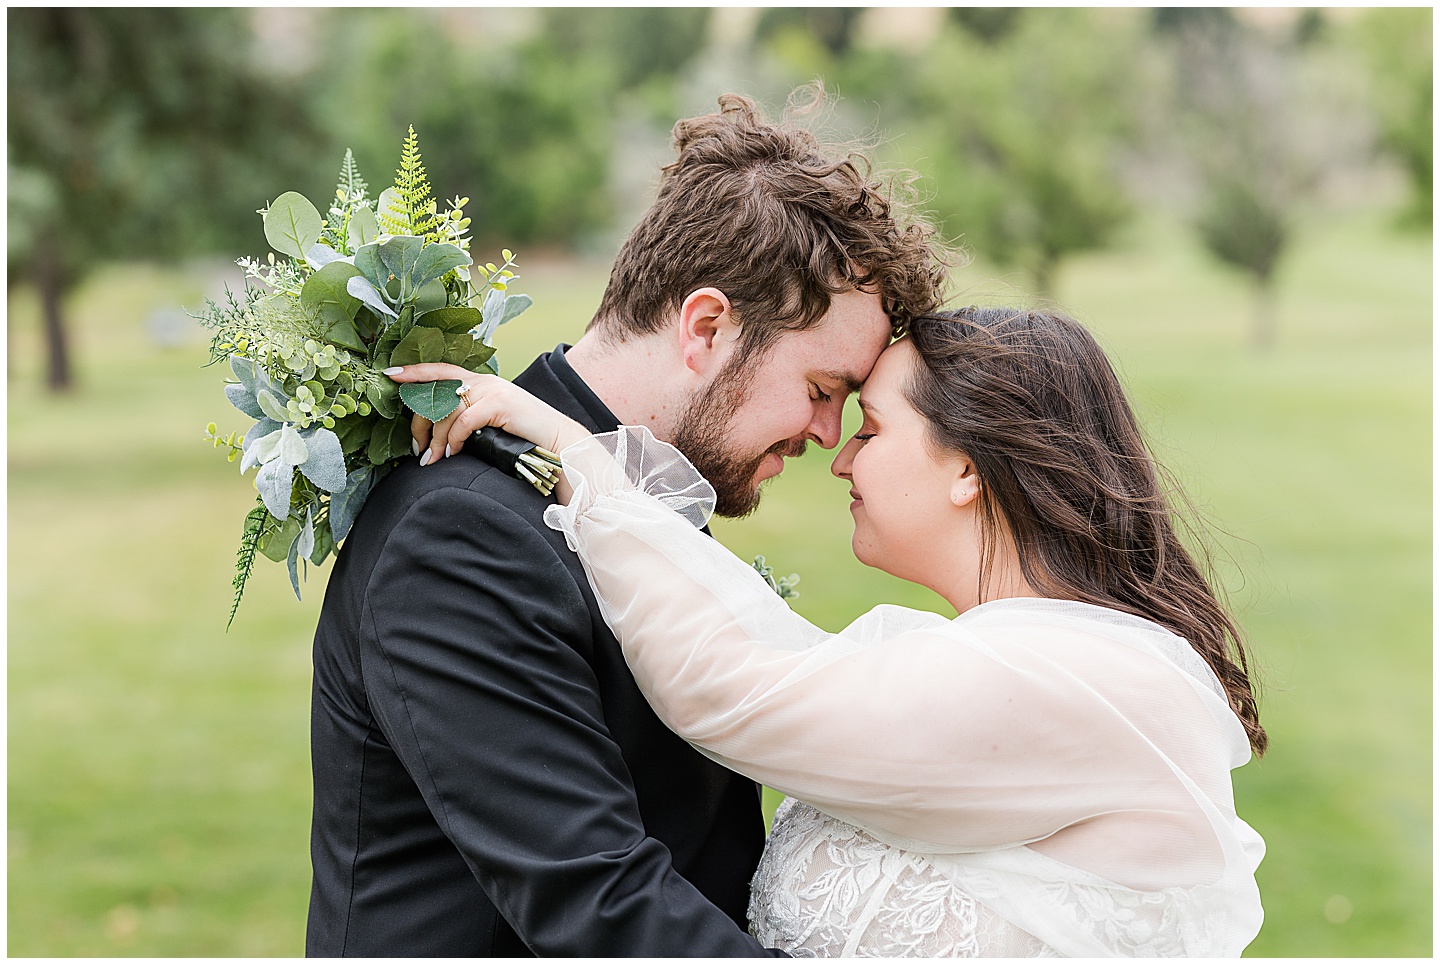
{"x": 50, "y": 280}
{"x": 1263, "y": 330}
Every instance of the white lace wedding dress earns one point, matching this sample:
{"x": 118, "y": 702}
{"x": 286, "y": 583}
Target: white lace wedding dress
{"x": 1033, "y": 778}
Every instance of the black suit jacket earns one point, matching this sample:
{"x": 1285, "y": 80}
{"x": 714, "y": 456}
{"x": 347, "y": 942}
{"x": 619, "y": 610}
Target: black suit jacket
{"x": 488, "y": 778}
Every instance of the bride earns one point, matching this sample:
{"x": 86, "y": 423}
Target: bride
{"x": 1046, "y": 774}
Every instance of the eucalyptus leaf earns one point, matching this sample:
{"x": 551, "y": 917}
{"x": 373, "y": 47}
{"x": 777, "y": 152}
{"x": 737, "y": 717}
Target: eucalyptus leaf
{"x": 368, "y": 263}
{"x": 325, "y": 462}
{"x": 272, "y": 406}
{"x": 434, "y": 260}
{"x": 363, "y": 228}
{"x": 362, "y": 289}
{"x": 431, "y": 296}
{"x": 345, "y": 505}
{"x": 451, "y": 321}
{"x": 292, "y": 225}
{"x": 324, "y": 543}
{"x": 431, "y": 400}
{"x": 389, "y": 202}
{"x": 423, "y": 344}
{"x": 368, "y": 322}
{"x": 243, "y": 399}
{"x": 399, "y": 255}
{"x": 327, "y": 287}
{"x": 276, "y": 480}
{"x": 326, "y": 294}
{"x": 276, "y": 541}
{"x": 342, "y": 332}
{"x": 290, "y": 562}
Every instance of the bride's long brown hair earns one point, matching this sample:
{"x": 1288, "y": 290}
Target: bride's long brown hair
{"x": 1033, "y": 402}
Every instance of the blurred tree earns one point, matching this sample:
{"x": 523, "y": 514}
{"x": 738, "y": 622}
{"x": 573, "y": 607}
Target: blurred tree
{"x": 989, "y": 24}
{"x": 1246, "y": 230}
{"x": 1020, "y": 134}
{"x": 1400, "y": 53}
{"x": 1236, "y": 117}
{"x": 134, "y": 132}
{"x": 524, "y": 128}
{"x": 644, "y": 43}
{"x": 832, "y": 27}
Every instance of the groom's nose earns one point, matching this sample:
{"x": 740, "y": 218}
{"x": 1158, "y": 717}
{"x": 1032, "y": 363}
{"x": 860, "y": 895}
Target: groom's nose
{"x": 824, "y": 427}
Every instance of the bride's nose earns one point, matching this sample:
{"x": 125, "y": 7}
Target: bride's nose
{"x": 844, "y": 459}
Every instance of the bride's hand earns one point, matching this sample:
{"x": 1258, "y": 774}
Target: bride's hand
{"x": 492, "y": 401}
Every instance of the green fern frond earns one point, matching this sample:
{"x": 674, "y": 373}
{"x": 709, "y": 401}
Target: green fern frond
{"x": 351, "y": 184}
{"x": 411, "y": 210}
{"x": 245, "y": 561}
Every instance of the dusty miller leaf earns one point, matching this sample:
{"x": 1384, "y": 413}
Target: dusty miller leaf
{"x": 321, "y": 255}
{"x": 272, "y": 406}
{"x": 244, "y": 400}
{"x": 362, "y": 289}
{"x": 275, "y": 480}
{"x": 325, "y": 462}
{"x": 292, "y": 448}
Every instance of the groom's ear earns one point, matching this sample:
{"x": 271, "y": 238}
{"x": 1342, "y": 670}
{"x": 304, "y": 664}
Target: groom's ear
{"x": 707, "y": 331}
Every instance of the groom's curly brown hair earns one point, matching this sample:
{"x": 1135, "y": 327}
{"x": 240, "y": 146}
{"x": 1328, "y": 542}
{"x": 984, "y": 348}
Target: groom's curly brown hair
{"x": 777, "y": 221}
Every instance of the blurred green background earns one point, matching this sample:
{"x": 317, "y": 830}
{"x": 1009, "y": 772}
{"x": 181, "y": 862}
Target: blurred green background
{"x": 1237, "y": 202}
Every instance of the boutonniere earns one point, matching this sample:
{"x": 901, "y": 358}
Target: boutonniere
{"x": 784, "y": 586}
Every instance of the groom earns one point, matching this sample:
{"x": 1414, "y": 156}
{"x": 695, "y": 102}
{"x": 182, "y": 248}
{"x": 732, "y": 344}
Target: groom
{"x": 488, "y": 779}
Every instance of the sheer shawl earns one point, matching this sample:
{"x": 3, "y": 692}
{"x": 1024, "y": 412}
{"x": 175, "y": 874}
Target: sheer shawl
{"x": 1067, "y": 765}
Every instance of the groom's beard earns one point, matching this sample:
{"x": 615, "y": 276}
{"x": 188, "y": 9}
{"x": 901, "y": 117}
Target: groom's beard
{"x": 701, "y": 436}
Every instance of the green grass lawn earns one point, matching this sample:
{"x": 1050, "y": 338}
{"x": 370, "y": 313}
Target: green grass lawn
{"x": 159, "y": 774}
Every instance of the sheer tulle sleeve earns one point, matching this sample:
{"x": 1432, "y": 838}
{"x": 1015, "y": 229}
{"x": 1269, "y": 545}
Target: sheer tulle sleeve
{"x": 928, "y": 734}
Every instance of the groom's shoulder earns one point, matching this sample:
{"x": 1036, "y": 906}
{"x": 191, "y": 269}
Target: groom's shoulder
{"x": 411, "y": 492}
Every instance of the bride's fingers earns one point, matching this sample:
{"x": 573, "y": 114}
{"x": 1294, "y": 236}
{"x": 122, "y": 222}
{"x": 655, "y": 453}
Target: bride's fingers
{"x": 421, "y": 430}
{"x": 470, "y": 419}
{"x": 428, "y": 372}
{"x": 439, "y": 442}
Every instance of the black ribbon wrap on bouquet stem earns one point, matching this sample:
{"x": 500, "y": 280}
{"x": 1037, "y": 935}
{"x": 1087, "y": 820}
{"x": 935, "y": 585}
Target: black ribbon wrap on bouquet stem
{"x": 517, "y": 457}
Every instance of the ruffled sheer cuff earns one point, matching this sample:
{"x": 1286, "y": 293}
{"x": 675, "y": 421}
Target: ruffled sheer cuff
{"x": 629, "y": 459}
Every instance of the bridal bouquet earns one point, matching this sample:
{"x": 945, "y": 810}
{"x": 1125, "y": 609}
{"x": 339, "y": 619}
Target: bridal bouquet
{"x": 375, "y": 283}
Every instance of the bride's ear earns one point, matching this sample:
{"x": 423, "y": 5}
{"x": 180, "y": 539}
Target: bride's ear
{"x": 965, "y": 486}
{"x": 707, "y": 331}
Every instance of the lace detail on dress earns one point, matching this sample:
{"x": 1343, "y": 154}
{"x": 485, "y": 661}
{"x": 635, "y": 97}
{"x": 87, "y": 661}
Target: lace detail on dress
{"x": 827, "y": 889}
